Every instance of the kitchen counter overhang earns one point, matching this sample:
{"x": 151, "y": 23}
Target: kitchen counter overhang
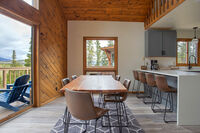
{"x": 188, "y": 95}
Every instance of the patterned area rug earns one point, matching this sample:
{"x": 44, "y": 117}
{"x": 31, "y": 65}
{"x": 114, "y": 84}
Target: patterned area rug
{"x": 133, "y": 127}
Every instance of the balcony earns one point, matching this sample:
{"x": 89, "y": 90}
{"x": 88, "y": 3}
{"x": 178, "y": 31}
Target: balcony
{"x": 7, "y": 77}
{"x": 158, "y": 9}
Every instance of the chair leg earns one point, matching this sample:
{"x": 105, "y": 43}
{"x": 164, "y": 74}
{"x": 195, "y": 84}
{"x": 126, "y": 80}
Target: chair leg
{"x": 125, "y": 113}
{"x": 85, "y": 127}
{"x": 109, "y": 122}
{"x": 67, "y": 124}
{"x": 95, "y": 127}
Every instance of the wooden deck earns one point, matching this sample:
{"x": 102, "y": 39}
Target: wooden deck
{"x": 5, "y": 112}
{"x": 41, "y": 120}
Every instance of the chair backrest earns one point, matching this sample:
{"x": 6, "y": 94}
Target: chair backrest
{"x": 161, "y": 82}
{"x": 117, "y": 77}
{"x": 65, "y": 81}
{"x": 135, "y": 75}
{"x": 80, "y": 105}
{"x": 18, "y": 88}
{"x": 126, "y": 84}
{"x": 74, "y": 77}
{"x": 142, "y": 77}
{"x": 150, "y": 79}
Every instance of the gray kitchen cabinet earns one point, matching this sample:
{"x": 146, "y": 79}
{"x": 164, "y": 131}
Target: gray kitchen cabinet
{"x": 169, "y": 43}
{"x": 160, "y": 43}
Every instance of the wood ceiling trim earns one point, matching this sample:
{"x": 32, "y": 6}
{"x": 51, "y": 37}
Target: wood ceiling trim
{"x": 105, "y": 10}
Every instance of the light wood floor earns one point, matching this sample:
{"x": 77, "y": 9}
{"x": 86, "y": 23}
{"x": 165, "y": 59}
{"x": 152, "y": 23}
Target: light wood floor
{"x": 41, "y": 120}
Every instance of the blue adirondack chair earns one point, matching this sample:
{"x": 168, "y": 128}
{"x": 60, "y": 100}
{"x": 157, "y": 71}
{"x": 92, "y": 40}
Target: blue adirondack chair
{"x": 8, "y": 96}
{"x": 27, "y": 93}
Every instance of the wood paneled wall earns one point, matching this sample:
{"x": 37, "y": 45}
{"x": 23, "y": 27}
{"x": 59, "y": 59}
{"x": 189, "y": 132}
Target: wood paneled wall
{"x": 52, "y": 50}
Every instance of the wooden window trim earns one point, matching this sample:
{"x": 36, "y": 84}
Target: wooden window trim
{"x": 103, "y": 69}
{"x": 198, "y": 53}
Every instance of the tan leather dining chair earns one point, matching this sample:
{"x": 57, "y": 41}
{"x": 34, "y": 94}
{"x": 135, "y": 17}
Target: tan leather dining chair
{"x": 81, "y": 106}
{"x": 65, "y": 81}
{"x": 117, "y": 77}
{"x": 119, "y": 99}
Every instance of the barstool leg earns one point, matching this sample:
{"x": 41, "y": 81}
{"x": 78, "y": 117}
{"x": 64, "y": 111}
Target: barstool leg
{"x": 154, "y": 101}
{"x": 133, "y": 85}
{"x": 168, "y": 95}
{"x": 138, "y": 89}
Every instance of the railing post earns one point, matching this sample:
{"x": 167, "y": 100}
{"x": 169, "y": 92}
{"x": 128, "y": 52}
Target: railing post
{"x": 10, "y": 76}
{"x": 4, "y": 78}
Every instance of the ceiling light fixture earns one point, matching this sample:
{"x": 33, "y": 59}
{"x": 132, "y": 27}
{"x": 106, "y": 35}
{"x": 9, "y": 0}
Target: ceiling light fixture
{"x": 195, "y": 39}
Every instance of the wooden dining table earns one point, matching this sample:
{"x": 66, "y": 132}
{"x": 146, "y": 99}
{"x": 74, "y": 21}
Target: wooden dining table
{"x": 98, "y": 84}
{"x": 95, "y": 84}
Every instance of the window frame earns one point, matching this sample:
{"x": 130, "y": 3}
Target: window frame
{"x": 198, "y": 52}
{"x": 100, "y": 69}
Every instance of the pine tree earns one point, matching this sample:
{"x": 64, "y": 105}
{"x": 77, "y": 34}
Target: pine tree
{"x": 104, "y": 59}
{"x": 28, "y": 60}
{"x": 98, "y": 53}
{"x": 14, "y": 62}
{"x": 90, "y": 53}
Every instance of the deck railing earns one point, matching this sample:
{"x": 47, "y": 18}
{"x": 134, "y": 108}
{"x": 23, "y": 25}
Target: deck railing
{"x": 9, "y": 75}
{"x": 158, "y": 9}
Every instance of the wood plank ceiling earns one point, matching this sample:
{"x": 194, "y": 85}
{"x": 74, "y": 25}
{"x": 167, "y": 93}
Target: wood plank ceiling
{"x": 105, "y": 10}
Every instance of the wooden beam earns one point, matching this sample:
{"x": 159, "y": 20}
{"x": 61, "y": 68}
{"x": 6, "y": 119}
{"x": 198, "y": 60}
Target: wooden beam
{"x": 20, "y": 10}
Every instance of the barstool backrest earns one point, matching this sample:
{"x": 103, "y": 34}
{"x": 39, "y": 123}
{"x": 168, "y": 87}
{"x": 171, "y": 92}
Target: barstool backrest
{"x": 161, "y": 82}
{"x": 142, "y": 77}
{"x": 150, "y": 79}
{"x": 135, "y": 74}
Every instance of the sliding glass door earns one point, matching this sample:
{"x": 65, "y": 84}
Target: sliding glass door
{"x": 16, "y": 39}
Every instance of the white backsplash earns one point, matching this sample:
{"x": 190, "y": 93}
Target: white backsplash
{"x": 164, "y": 62}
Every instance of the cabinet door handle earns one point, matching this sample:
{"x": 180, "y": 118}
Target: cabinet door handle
{"x": 163, "y": 52}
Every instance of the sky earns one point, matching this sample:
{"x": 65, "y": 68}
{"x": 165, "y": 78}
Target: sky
{"x": 14, "y": 35}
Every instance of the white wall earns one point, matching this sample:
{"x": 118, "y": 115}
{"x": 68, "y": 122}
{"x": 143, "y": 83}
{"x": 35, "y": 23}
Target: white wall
{"x": 130, "y": 44}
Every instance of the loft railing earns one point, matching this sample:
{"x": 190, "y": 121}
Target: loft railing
{"x": 9, "y": 75}
{"x": 158, "y": 9}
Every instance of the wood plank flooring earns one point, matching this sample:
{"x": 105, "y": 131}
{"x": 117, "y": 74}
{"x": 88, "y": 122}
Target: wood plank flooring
{"x": 41, "y": 120}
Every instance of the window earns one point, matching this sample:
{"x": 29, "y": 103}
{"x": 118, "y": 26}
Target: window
{"x": 100, "y": 53}
{"x": 185, "y": 50}
{"x": 34, "y": 3}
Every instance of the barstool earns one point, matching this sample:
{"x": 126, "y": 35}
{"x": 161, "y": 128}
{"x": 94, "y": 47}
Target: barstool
{"x": 151, "y": 84}
{"x": 142, "y": 80}
{"x": 136, "y": 78}
{"x": 162, "y": 86}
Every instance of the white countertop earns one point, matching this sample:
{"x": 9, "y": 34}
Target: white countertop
{"x": 175, "y": 73}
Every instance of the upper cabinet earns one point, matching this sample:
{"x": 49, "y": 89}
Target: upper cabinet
{"x": 160, "y": 43}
